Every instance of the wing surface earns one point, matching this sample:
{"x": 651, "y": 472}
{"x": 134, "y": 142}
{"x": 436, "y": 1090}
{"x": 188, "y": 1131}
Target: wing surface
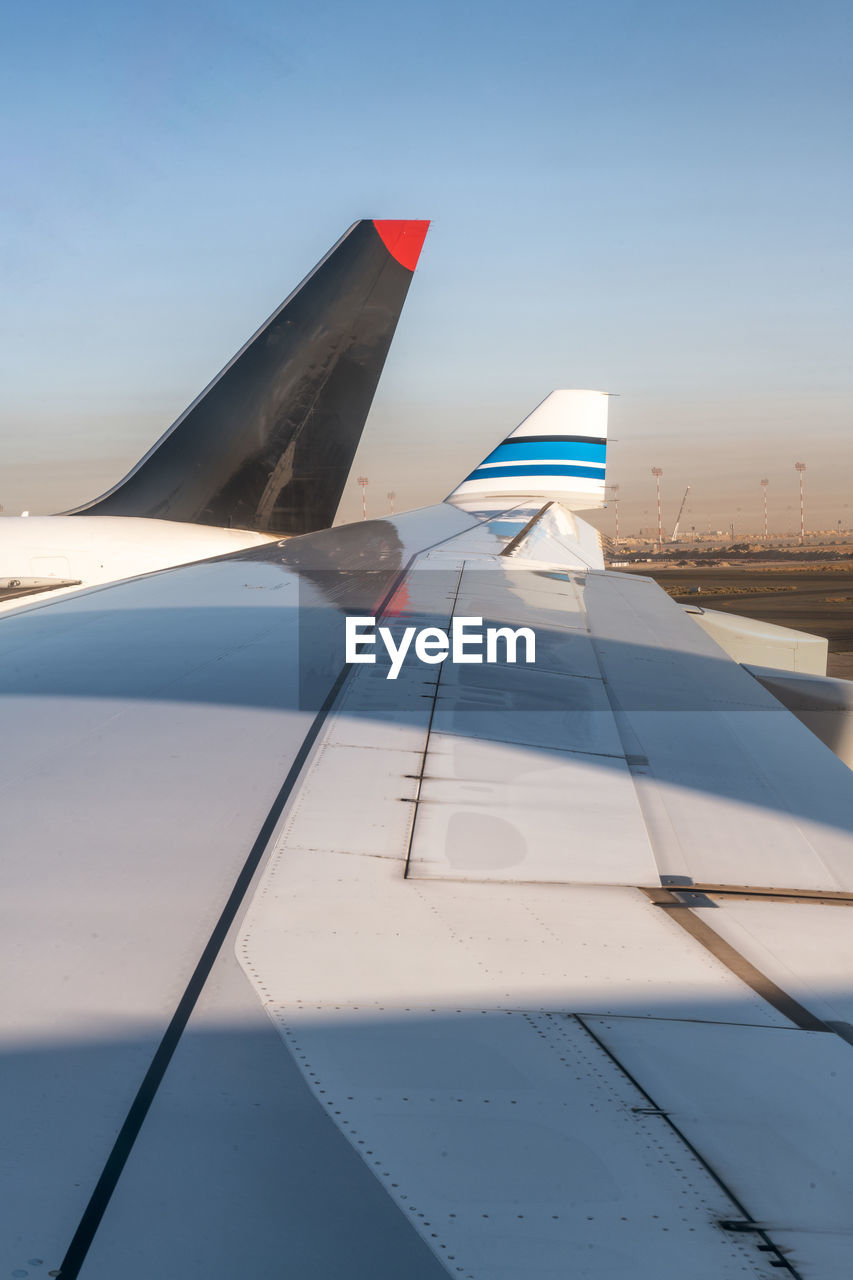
{"x": 492, "y": 971}
{"x": 546, "y": 1056}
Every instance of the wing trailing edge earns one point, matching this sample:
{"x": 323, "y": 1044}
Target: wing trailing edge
{"x": 269, "y": 444}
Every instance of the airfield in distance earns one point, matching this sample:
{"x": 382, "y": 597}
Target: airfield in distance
{"x": 809, "y": 588}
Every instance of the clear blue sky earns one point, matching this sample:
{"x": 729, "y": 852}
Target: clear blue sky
{"x": 649, "y": 198}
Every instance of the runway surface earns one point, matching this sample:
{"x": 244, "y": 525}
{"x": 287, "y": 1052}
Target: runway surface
{"x": 817, "y": 599}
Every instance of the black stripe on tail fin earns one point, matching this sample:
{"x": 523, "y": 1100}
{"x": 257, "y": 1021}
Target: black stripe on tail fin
{"x": 269, "y": 444}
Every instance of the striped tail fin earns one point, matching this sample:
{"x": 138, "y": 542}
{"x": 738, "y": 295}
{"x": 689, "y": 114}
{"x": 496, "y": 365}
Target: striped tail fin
{"x": 557, "y": 452}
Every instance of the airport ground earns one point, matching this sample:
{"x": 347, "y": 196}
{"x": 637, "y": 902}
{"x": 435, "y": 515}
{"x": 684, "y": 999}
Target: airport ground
{"x": 809, "y": 589}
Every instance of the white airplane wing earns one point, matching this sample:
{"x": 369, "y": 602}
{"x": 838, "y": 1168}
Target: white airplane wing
{"x": 490, "y": 971}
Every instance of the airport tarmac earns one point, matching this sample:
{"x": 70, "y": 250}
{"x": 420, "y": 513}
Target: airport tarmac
{"x": 817, "y": 599}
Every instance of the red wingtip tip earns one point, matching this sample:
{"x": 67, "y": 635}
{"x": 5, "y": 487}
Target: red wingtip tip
{"x": 403, "y": 239}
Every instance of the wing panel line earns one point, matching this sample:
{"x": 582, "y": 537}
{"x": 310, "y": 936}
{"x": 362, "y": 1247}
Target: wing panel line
{"x": 747, "y": 1223}
{"x": 681, "y": 912}
{"x": 129, "y": 1131}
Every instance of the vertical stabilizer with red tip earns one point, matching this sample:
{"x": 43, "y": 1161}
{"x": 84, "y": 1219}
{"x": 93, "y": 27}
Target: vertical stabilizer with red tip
{"x": 269, "y": 444}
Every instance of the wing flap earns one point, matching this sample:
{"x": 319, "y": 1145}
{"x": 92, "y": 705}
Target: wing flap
{"x": 735, "y": 790}
{"x": 736, "y": 1092}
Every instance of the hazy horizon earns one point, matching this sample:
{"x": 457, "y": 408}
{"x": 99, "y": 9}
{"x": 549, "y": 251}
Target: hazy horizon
{"x": 650, "y": 200}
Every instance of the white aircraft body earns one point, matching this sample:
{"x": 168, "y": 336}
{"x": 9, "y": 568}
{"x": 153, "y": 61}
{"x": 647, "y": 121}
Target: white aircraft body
{"x": 61, "y": 554}
{"x": 503, "y": 970}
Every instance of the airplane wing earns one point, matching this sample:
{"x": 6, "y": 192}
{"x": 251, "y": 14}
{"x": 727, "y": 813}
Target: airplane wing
{"x": 487, "y": 970}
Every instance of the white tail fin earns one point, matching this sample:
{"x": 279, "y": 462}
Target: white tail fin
{"x": 558, "y": 452}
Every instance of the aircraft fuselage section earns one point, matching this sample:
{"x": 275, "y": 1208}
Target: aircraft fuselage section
{"x": 46, "y": 556}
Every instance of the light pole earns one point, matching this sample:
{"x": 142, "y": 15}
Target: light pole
{"x": 657, "y": 473}
{"x": 800, "y": 467}
{"x": 391, "y": 495}
{"x": 362, "y": 480}
{"x": 764, "y": 484}
{"x": 614, "y": 489}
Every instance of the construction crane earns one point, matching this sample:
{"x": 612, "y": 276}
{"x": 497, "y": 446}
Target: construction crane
{"x": 674, "y": 537}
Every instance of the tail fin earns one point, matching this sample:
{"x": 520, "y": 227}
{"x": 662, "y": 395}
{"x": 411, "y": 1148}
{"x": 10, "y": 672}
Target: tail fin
{"x": 558, "y": 452}
{"x": 269, "y": 444}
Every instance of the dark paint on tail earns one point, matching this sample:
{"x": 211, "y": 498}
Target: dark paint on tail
{"x": 269, "y": 444}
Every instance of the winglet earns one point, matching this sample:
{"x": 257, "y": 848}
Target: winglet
{"x": 557, "y": 452}
{"x": 403, "y": 239}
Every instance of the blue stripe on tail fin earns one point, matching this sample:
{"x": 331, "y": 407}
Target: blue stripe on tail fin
{"x": 558, "y": 452}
